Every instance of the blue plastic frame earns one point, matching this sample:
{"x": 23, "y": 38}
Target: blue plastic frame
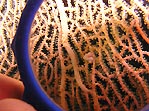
{"x": 33, "y": 93}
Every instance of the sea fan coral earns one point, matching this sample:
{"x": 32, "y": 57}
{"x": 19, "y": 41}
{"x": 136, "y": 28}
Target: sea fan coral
{"x": 91, "y": 54}
{"x": 10, "y": 12}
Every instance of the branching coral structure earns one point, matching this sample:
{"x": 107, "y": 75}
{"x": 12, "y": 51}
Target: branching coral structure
{"x": 10, "y": 12}
{"x": 93, "y": 55}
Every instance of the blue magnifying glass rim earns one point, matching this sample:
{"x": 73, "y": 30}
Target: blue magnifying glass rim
{"x": 33, "y": 93}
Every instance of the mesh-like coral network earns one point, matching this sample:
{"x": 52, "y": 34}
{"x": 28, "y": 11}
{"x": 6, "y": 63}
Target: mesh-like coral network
{"x": 88, "y": 54}
{"x": 10, "y": 12}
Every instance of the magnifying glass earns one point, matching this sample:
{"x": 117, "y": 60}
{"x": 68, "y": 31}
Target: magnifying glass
{"x": 33, "y": 92}
{"x": 87, "y": 77}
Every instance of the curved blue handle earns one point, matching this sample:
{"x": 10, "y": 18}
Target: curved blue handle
{"x": 33, "y": 93}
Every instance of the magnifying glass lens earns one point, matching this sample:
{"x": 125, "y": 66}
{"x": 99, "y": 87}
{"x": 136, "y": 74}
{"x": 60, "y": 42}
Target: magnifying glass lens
{"x": 91, "y": 55}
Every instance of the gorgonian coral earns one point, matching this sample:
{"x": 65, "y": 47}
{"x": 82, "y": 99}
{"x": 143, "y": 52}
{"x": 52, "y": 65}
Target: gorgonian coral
{"x": 93, "y": 54}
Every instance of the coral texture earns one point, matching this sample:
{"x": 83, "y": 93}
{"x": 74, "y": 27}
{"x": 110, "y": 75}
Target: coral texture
{"x": 10, "y": 12}
{"x": 89, "y": 54}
